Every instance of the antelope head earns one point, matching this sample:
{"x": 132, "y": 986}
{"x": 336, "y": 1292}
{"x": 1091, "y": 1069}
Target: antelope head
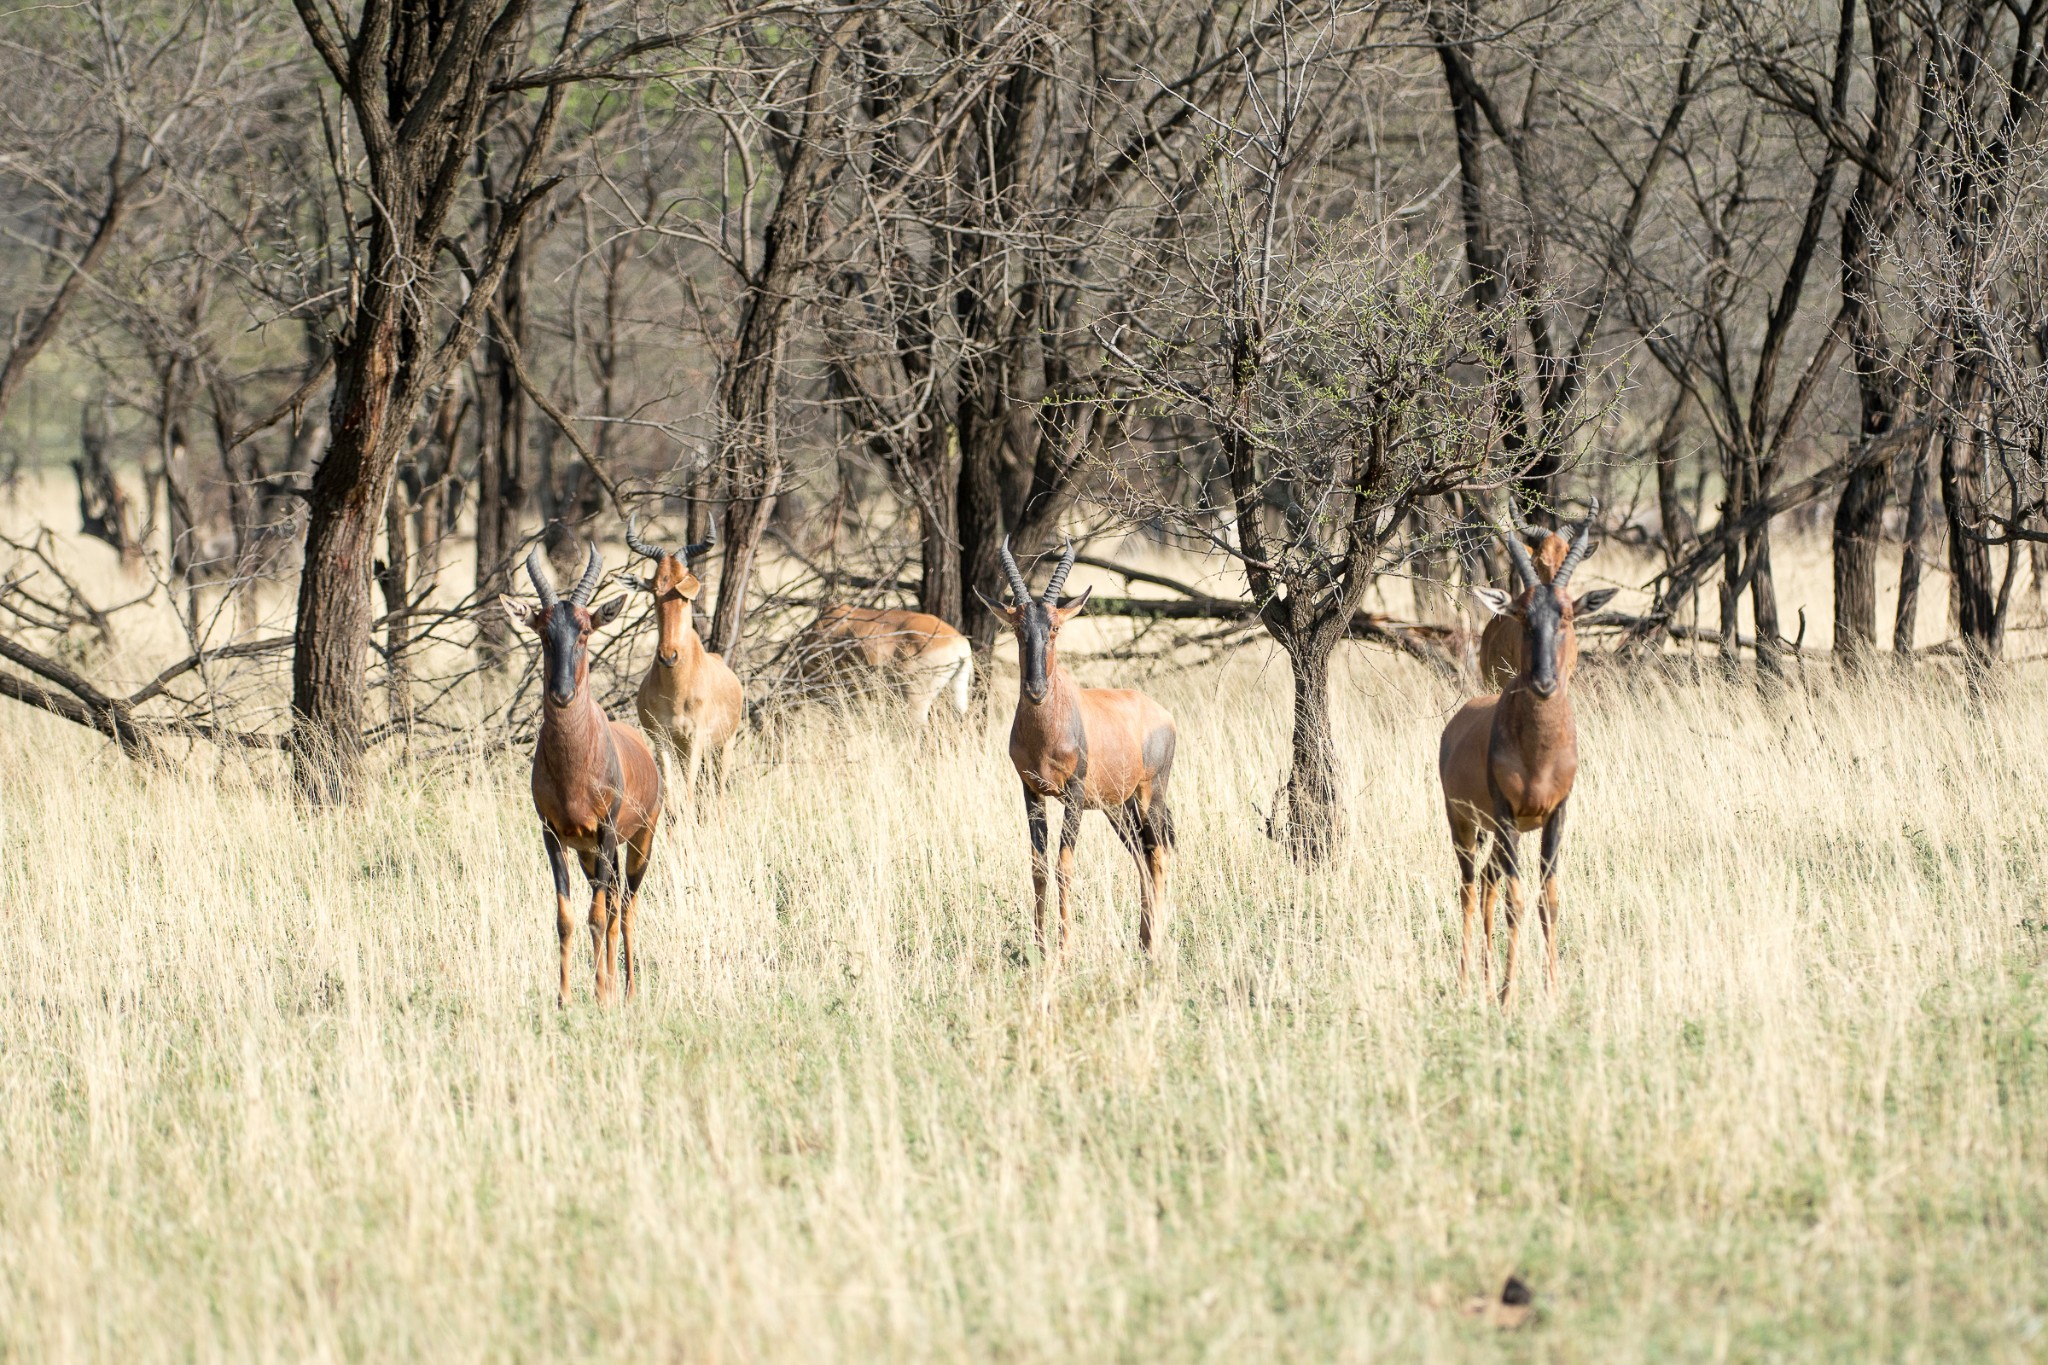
{"x": 674, "y": 588}
{"x": 564, "y": 625}
{"x": 1036, "y": 621}
{"x": 1546, "y": 611}
{"x": 1547, "y": 549}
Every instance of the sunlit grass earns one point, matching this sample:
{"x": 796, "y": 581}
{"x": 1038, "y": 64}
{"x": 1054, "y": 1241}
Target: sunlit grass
{"x": 276, "y": 1084}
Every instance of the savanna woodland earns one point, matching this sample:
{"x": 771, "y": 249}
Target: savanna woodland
{"x": 693, "y": 467}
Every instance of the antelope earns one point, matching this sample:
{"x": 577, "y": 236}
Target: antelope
{"x": 690, "y": 702}
{"x": 1500, "y": 643}
{"x": 1091, "y": 748}
{"x": 910, "y": 652}
{"x": 596, "y": 785}
{"x": 1507, "y": 762}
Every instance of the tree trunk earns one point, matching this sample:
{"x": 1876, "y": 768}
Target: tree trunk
{"x": 1763, "y": 605}
{"x": 1859, "y": 523}
{"x": 939, "y": 590}
{"x": 1906, "y": 622}
{"x": 1969, "y": 558}
{"x": 1314, "y": 814}
{"x": 332, "y": 637}
{"x": 979, "y": 516}
{"x": 394, "y": 577}
{"x": 751, "y": 440}
{"x": 501, "y": 489}
{"x": 1678, "y": 530}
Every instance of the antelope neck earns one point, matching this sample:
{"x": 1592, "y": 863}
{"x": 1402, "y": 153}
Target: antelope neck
{"x": 1533, "y": 723}
{"x": 1061, "y": 698}
{"x": 572, "y": 736}
{"x": 688, "y": 646}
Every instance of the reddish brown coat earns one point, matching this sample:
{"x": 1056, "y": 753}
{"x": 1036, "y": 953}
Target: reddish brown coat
{"x": 909, "y": 652}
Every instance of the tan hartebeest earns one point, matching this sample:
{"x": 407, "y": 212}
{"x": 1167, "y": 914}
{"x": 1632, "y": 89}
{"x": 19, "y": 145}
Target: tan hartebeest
{"x": 1507, "y": 764}
{"x": 690, "y": 701}
{"x": 1500, "y": 643}
{"x": 908, "y": 652}
{"x": 595, "y": 783}
{"x": 1092, "y": 748}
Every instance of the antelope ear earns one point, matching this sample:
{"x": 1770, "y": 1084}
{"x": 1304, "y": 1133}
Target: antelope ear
{"x": 1073, "y": 606}
{"x": 647, "y": 585}
{"x": 606, "y": 614}
{"x": 689, "y": 587}
{"x": 1593, "y": 601}
{"x": 1008, "y": 614}
{"x": 518, "y": 613}
{"x": 1494, "y": 600}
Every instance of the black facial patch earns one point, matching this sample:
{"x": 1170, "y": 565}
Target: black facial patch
{"x": 1034, "y": 635}
{"x": 1545, "y": 627}
{"x": 561, "y": 648}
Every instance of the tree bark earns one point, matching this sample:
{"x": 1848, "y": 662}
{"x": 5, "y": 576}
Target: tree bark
{"x": 939, "y": 589}
{"x": 347, "y": 499}
{"x": 33, "y": 337}
{"x": 501, "y": 492}
{"x": 394, "y": 578}
{"x": 1314, "y": 809}
{"x": 1859, "y": 516}
{"x": 1962, "y": 495}
{"x": 751, "y": 439}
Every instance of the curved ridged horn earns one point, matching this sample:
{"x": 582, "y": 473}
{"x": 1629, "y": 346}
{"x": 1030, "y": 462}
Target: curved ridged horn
{"x": 1525, "y": 571}
{"x": 637, "y": 545}
{"x": 690, "y": 552}
{"x": 1532, "y": 534}
{"x": 1019, "y": 590}
{"x": 586, "y": 588}
{"x": 541, "y": 585}
{"x": 1582, "y": 545}
{"x": 1059, "y": 577}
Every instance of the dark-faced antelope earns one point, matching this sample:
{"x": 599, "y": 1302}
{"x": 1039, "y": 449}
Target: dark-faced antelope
{"x": 595, "y": 782}
{"x": 1507, "y": 764}
{"x": 913, "y": 654}
{"x": 1500, "y": 643}
{"x": 1091, "y": 748}
{"x": 690, "y": 702}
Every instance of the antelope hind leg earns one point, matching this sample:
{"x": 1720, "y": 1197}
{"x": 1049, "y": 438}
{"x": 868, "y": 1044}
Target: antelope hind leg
{"x": 1553, "y": 851}
{"x": 1129, "y": 822}
{"x": 1465, "y": 844}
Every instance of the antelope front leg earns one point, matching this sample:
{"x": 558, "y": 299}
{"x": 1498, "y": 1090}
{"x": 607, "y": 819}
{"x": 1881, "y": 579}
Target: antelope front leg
{"x": 1070, "y": 830}
{"x": 1504, "y": 837}
{"x": 1553, "y": 850}
{"x": 1466, "y": 844}
{"x": 1034, "y": 815}
{"x": 565, "y": 923}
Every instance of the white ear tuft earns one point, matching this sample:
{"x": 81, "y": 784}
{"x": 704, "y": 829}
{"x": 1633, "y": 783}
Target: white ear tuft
{"x": 1494, "y": 600}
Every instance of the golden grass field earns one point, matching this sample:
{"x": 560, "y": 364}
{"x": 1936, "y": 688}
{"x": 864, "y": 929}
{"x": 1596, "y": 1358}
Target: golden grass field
{"x": 280, "y": 1085}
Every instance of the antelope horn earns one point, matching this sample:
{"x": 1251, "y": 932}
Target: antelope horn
{"x": 593, "y": 569}
{"x": 637, "y": 545}
{"x": 1534, "y": 535}
{"x": 690, "y": 552}
{"x": 1059, "y": 577}
{"x": 548, "y": 596}
{"x": 1582, "y": 545}
{"x": 1019, "y": 590}
{"x": 1525, "y": 571}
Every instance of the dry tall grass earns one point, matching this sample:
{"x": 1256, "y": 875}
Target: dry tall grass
{"x": 287, "y": 1086}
